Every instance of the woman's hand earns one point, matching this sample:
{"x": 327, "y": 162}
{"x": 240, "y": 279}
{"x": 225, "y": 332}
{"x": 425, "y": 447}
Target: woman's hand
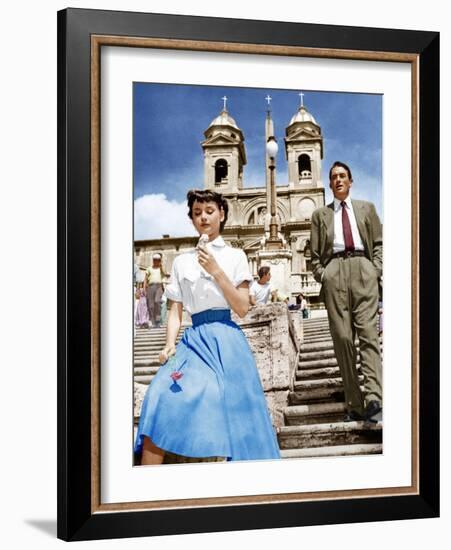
{"x": 208, "y": 262}
{"x": 165, "y": 353}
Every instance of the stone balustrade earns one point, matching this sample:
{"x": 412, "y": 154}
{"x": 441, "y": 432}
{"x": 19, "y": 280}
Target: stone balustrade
{"x": 274, "y": 335}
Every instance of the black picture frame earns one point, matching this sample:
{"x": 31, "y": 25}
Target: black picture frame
{"x": 79, "y": 518}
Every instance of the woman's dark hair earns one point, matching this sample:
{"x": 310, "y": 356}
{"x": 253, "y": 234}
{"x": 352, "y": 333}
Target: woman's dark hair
{"x": 264, "y": 270}
{"x": 343, "y": 165}
{"x": 205, "y": 195}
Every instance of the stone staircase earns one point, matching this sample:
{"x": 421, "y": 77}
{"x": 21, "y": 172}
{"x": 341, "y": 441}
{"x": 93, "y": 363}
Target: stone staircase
{"x": 314, "y": 423}
{"x": 148, "y": 344}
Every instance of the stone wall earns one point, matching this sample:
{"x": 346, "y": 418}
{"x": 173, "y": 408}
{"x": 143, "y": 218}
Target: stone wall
{"x": 274, "y": 339}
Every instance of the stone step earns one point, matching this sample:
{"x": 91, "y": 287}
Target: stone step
{"x": 311, "y": 339}
{"x": 160, "y": 330}
{"x": 317, "y": 364}
{"x": 145, "y": 371}
{"x": 318, "y": 373}
{"x": 145, "y": 379}
{"x": 336, "y": 433}
{"x": 149, "y": 336}
{"x": 311, "y": 347}
{"x": 148, "y": 361}
{"x": 314, "y": 413}
{"x": 141, "y": 354}
{"x": 154, "y": 350}
{"x": 335, "y": 451}
{"x": 316, "y": 330}
{"x": 149, "y": 349}
{"x": 145, "y": 331}
{"x": 320, "y": 359}
{"x": 149, "y": 343}
{"x": 308, "y": 385}
{"x": 316, "y": 339}
{"x": 315, "y": 355}
{"x": 319, "y": 395}
{"x": 152, "y": 342}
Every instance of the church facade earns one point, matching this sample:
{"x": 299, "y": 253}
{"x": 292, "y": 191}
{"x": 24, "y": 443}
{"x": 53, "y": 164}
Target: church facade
{"x": 248, "y": 222}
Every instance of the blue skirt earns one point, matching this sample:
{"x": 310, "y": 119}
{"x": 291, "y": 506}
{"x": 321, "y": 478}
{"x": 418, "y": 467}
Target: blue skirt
{"x": 210, "y": 400}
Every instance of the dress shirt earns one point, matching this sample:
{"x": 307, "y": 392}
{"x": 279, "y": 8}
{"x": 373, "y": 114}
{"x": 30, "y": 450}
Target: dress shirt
{"x": 195, "y": 287}
{"x": 339, "y": 241}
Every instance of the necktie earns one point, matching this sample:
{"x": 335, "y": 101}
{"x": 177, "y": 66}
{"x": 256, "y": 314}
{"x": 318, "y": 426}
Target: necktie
{"x": 347, "y": 232}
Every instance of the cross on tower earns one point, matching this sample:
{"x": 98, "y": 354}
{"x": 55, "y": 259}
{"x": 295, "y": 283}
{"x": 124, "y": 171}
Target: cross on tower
{"x": 268, "y": 99}
{"x": 225, "y": 101}
{"x": 302, "y": 99}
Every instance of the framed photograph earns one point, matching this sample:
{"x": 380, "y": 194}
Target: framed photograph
{"x": 197, "y": 161}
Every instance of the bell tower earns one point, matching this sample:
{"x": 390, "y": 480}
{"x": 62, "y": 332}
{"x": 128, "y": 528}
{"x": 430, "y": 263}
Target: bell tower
{"x": 304, "y": 149}
{"x": 224, "y": 154}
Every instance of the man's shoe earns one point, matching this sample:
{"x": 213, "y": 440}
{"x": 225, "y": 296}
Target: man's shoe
{"x": 353, "y": 416}
{"x": 372, "y": 409}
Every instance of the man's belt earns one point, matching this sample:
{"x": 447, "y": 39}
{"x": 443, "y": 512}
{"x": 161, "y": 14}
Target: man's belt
{"x": 348, "y": 254}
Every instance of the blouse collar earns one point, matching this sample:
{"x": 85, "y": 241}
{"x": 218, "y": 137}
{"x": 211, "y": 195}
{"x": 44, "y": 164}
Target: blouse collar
{"x": 219, "y": 241}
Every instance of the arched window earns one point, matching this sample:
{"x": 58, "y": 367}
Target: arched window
{"x": 304, "y": 165}
{"x": 220, "y": 170}
{"x": 305, "y": 208}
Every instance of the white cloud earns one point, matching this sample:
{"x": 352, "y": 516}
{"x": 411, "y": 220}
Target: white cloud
{"x": 155, "y": 216}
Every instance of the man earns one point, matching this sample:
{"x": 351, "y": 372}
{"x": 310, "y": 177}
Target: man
{"x": 261, "y": 290}
{"x": 346, "y": 245}
{"x": 153, "y": 287}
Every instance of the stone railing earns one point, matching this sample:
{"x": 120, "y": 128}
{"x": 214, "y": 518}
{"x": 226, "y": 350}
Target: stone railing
{"x": 305, "y": 283}
{"x": 275, "y": 340}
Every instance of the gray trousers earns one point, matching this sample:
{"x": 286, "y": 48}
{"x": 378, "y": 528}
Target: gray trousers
{"x": 350, "y": 287}
{"x": 153, "y": 295}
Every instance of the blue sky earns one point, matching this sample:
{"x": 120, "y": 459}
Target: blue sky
{"x": 170, "y": 119}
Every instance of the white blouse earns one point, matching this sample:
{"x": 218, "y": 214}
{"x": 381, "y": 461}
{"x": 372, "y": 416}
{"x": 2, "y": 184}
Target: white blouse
{"x": 197, "y": 289}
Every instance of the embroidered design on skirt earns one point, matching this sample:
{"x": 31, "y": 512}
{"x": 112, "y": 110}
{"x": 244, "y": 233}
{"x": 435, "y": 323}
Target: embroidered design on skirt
{"x": 175, "y": 375}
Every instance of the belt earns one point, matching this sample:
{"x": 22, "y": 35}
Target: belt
{"x": 348, "y": 254}
{"x": 210, "y": 316}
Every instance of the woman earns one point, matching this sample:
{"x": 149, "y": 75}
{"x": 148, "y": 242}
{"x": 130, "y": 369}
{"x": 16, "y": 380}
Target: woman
{"x": 302, "y": 305}
{"x": 141, "y": 313}
{"x": 209, "y": 401}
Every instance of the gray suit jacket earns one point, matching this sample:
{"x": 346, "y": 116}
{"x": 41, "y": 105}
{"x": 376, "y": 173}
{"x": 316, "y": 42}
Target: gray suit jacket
{"x": 322, "y": 235}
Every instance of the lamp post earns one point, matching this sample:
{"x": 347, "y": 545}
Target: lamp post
{"x": 271, "y": 150}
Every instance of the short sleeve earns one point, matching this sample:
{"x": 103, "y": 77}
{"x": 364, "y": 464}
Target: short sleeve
{"x": 241, "y": 271}
{"x": 173, "y": 290}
